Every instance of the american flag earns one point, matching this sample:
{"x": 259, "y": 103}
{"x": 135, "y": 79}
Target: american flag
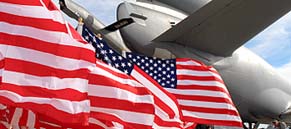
{"x": 15, "y": 117}
{"x": 117, "y": 101}
{"x": 47, "y": 69}
{"x": 44, "y": 63}
{"x": 199, "y": 89}
{"x": 201, "y": 92}
{"x": 167, "y": 111}
{"x": 116, "y": 97}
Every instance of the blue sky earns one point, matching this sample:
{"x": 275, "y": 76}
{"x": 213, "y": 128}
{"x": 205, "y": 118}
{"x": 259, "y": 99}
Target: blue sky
{"x": 273, "y": 44}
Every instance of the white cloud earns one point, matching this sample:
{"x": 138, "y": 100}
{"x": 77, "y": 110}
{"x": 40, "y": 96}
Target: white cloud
{"x": 285, "y": 70}
{"x": 274, "y": 43}
{"x": 274, "y": 38}
{"x": 105, "y": 10}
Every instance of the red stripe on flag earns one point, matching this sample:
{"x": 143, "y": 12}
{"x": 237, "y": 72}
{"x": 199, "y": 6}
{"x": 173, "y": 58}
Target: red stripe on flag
{"x": 34, "y": 91}
{"x": 203, "y": 98}
{"x": 76, "y": 35}
{"x": 125, "y": 101}
{"x": 24, "y": 2}
{"x": 128, "y": 125}
{"x": 112, "y": 70}
{"x": 2, "y": 125}
{"x": 189, "y": 61}
{"x": 48, "y": 47}
{"x": 47, "y": 110}
{"x": 46, "y": 24}
{"x": 163, "y": 105}
{"x": 199, "y": 87}
{"x": 112, "y": 83}
{"x": 1, "y": 63}
{"x": 24, "y": 117}
{"x": 47, "y": 3}
{"x": 209, "y": 110}
{"x": 214, "y": 122}
{"x": 42, "y": 70}
{"x": 168, "y": 124}
{"x": 198, "y": 68}
{"x": 122, "y": 105}
{"x": 50, "y": 5}
{"x": 199, "y": 78}
{"x": 18, "y": 17}
{"x": 201, "y": 106}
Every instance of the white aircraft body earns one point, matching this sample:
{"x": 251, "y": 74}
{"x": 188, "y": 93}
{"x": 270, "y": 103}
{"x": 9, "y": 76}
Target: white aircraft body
{"x": 212, "y": 32}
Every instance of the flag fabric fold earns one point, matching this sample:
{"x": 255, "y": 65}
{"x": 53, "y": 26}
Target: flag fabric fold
{"x": 14, "y": 117}
{"x": 167, "y": 111}
{"x": 195, "y": 89}
{"x": 50, "y": 78}
{"x": 117, "y": 101}
{"x": 199, "y": 89}
{"x": 117, "y": 97}
{"x": 47, "y": 70}
{"x": 44, "y": 68}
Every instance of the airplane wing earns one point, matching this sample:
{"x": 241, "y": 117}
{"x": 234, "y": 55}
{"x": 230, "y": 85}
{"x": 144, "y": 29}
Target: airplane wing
{"x": 222, "y": 26}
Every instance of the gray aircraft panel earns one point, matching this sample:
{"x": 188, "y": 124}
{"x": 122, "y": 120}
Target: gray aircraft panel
{"x": 229, "y": 23}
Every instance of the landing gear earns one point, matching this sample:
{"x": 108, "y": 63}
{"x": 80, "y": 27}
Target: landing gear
{"x": 245, "y": 127}
{"x": 256, "y": 125}
{"x": 250, "y": 125}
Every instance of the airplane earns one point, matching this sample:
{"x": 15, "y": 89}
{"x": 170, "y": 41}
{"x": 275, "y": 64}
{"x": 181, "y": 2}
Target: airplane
{"x": 213, "y": 32}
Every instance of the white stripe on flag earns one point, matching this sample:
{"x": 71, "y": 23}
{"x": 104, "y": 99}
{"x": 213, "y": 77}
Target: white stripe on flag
{"x": 31, "y": 119}
{"x": 71, "y": 106}
{"x": 49, "y": 82}
{"x": 47, "y": 59}
{"x": 188, "y": 63}
{"x": 31, "y": 11}
{"x": 44, "y": 35}
{"x": 190, "y": 72}
{"x": 16, "y": 116}
{"x": 156, "y": 91}
{"x": 211, "y": 116}
{"x": 127, "y": 81}
{"x": 198, "y": 93}
{"x": 128, "y": 116}
{"x": 112, "y": 92}
{"x": 204, "y": 104}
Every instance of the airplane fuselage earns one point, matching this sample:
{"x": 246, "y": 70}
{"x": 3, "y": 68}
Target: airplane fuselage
{"x": 258, "y": 91}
